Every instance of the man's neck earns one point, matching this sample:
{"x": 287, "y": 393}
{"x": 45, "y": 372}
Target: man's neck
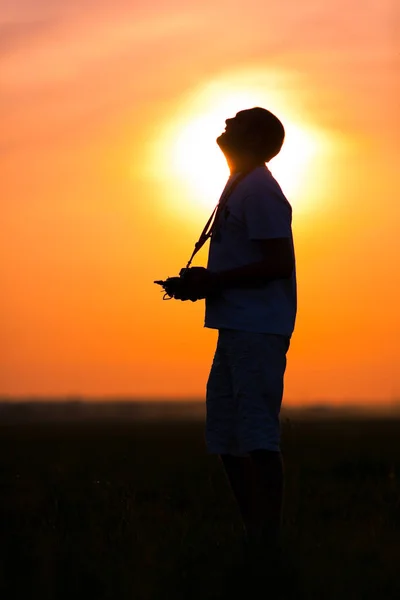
{"x": 243, "y": 164}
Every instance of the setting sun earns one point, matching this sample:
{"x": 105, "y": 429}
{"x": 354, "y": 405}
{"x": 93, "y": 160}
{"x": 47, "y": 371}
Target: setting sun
{"x": 195, "y": 160}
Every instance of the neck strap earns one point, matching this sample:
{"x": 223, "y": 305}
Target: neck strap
{"x": 212, "y": 221}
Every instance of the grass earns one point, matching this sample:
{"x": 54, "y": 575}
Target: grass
{"x": 138, "y": 510}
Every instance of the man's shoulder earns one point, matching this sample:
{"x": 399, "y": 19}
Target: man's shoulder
{"x": 260, "y": 184}
{"x": 260, "y": 180}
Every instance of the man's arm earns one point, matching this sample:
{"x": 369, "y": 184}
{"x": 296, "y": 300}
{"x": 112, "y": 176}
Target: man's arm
{"x": 277, "y": 263}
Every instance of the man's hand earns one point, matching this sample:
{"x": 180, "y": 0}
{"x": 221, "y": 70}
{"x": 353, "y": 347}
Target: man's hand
{"x": 197, "y": 283}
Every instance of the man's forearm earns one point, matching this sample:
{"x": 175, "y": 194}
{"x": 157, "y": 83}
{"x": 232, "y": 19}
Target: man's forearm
{"x": 254, "y": 274}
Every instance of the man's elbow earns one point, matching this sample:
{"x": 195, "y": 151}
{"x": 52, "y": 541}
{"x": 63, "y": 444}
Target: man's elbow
{"x": 279, "y": 269}
{"x": 278, "y": 256}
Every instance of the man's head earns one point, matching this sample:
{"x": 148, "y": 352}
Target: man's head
{"x": 253, "y": 135}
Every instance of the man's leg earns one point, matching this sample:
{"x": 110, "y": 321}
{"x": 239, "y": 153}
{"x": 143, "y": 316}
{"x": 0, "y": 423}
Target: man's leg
{"x": 268, "y": 497}
{"x": 257, "y": 484}
{"x": 258, "y": 367}
{"x": 239, "y": 472}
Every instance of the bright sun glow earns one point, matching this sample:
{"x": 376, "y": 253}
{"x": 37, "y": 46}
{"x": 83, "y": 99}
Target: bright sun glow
{"x": 203, "y": 165}
{"x": 195, "y": 160}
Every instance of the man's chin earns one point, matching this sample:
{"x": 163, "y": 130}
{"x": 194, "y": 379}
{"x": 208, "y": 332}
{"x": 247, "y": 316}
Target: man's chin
{"x": 223, "y": 141}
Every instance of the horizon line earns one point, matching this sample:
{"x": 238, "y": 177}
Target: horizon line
{"x": 110, "y": 398}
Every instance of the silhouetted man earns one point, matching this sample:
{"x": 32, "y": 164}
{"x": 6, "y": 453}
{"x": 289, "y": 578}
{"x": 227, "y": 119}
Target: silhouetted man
{"x": 250, "y": 291}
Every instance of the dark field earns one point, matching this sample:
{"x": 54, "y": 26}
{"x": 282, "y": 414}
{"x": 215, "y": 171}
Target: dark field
{"x": 136, "y": 509}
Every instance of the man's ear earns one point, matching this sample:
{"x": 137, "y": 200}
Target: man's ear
{"x": 257, "y": 142}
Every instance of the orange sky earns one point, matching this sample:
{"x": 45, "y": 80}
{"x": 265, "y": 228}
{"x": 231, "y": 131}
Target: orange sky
{"x": 90, "y": 215}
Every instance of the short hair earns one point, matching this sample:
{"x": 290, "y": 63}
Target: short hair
{"x": 271, "y": 133}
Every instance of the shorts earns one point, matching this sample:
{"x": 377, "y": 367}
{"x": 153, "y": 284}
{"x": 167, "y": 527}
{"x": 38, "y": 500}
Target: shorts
{"x": 244, "y": 392}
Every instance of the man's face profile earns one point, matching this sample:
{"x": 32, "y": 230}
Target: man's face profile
{"x": 237, "y": 132}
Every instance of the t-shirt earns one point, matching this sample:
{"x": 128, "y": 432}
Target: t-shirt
{"x": 256, "y": 209}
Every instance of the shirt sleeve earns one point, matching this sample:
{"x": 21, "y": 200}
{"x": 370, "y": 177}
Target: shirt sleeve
{"x": 267, "y": 215}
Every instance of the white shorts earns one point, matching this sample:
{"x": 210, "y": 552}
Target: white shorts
{"x": 244, "y": 392}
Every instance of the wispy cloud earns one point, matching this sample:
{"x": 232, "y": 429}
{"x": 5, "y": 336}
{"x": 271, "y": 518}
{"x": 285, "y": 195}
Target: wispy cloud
{"x": 62, "y": 52}
{"x": 15, "y": 35}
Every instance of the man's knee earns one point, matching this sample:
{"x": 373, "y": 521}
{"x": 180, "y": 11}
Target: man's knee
{"x": 229, "y": 459}
{"x": 262, "y": 456}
